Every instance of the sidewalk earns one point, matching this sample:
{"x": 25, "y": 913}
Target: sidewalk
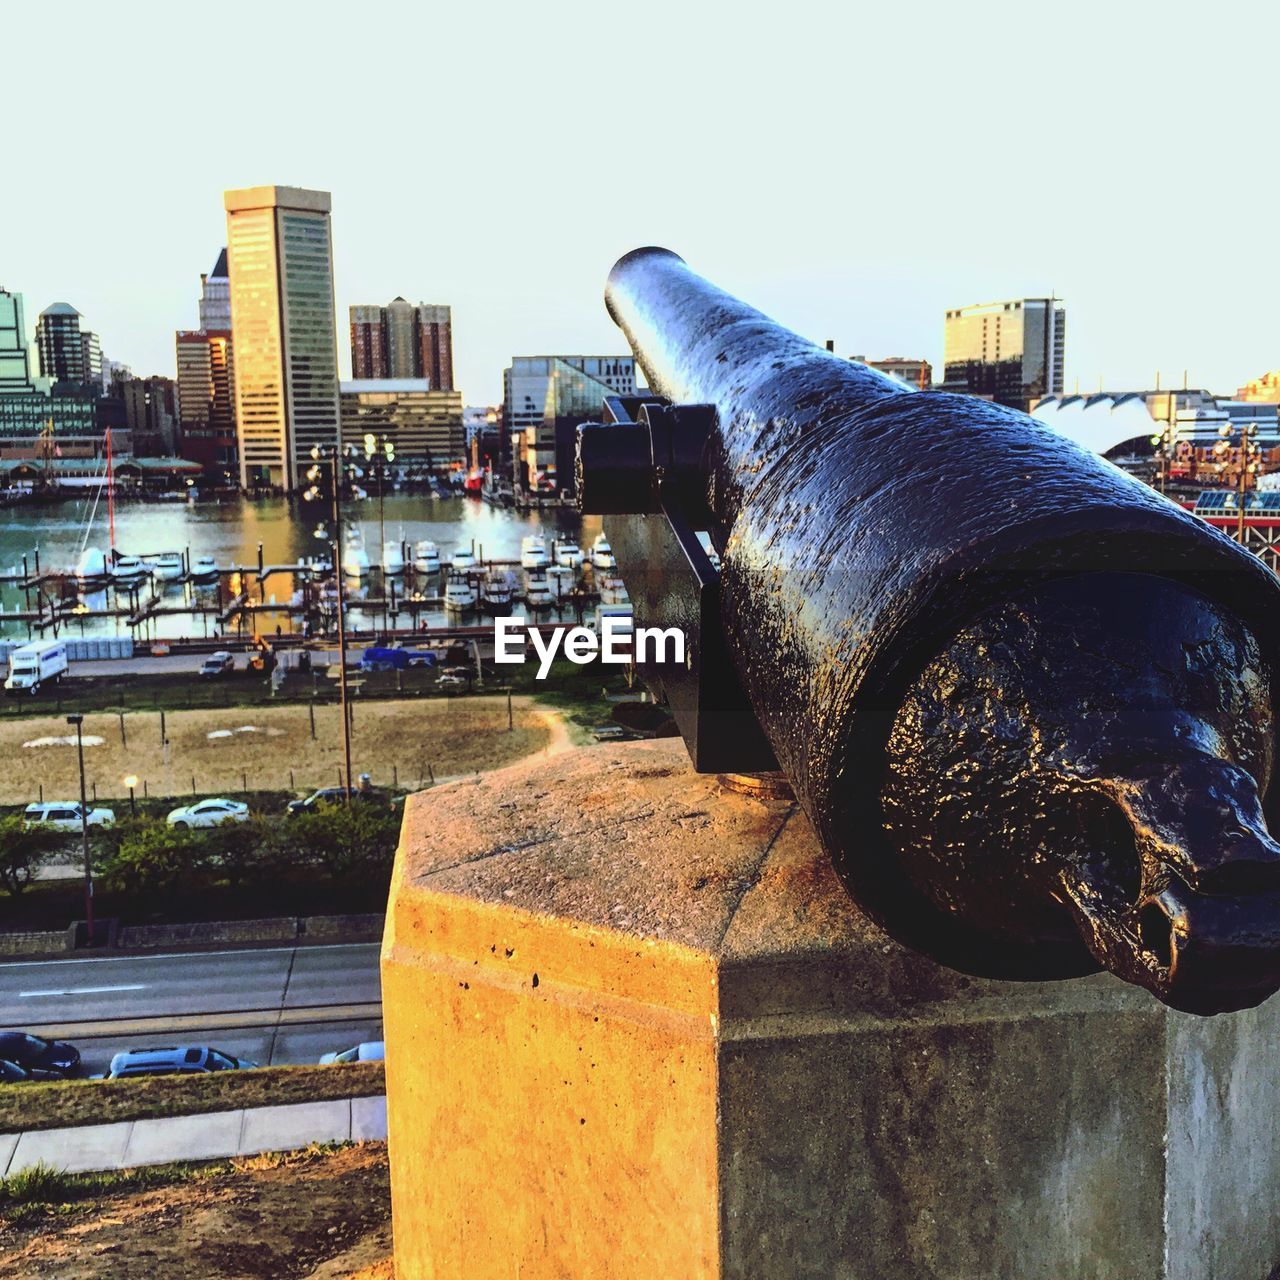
{"x": 213, "y": 1136}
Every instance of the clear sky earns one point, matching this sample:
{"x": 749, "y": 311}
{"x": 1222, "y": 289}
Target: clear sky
{"x": 852, "y": 169}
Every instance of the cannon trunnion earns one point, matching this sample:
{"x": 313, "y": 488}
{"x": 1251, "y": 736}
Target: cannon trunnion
{"x": 1025, "y": 701}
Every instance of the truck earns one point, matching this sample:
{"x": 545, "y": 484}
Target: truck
{"x": 35, "y": 664}
{"x": 379, "y": 658}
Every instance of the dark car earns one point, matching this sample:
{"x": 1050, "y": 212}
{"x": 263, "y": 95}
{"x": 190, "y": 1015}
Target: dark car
{"x": 329, "y": 795}
{"x": 42, "y": 1059}
{"x": 11, "y": 1073}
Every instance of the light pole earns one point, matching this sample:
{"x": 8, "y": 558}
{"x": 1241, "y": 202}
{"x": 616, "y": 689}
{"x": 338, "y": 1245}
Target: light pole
{"x": 1163, "y": 441}
{"x": 1239, "y": 469}
{"x": 379, "y": 452}
{"x": 78, "y": 721}
{"x": 331, "y": 453}
{"x": 131, "y": 781}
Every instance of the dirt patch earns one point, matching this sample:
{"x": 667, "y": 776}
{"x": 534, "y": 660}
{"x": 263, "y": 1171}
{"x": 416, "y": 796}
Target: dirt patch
{"x": 308, "y": 1216}
{"x": 224, "y": 749}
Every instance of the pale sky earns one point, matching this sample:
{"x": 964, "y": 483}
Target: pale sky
{"x": 852, "y": 169}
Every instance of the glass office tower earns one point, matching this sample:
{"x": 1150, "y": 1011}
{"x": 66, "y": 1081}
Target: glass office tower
{"x": 280, "y": 263}
{"x": 1009, "y": 352}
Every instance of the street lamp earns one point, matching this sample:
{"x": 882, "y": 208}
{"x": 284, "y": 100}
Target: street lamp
{"x": 1163, "y": 441}
{"x": 78, "y": 721}
{"x": 1239, "y": 468}
{"x": 331, "y": 454}
{"x": 379, "y": 453}
{"x": 131, "y": 781}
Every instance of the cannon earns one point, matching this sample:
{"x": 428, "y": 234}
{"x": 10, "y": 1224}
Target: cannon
{"x": 1024, "y": 700}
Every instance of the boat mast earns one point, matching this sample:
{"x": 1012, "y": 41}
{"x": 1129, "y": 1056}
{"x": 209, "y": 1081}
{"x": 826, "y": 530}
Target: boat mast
{"x": 111, "y": 498}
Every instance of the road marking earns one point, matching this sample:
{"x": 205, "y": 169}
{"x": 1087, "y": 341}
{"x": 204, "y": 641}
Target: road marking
{"x": 263, "y": 1020}
{"x": 83, "y": 991}
{"x": 135, "y": 956}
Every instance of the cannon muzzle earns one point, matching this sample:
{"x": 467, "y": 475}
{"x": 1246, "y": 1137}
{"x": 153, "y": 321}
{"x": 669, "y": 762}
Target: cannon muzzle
{"x": 1025, "y": 701}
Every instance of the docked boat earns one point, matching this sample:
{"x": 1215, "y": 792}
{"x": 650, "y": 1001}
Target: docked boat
{"x": 569, "y": 554}
{"x": 129, "y": 570}
{"x": 426, "y": 557}
{"x": 464, "y": 559}
{"x": 537, "y": 591}
{"x": 355, "y": 559}
{"x": 613, "y": 590}
{"x": 497, "y": 591}
{"x": 204, "y": 569}
{"x": 602, "y": 553}
{"x": 91, "y": 567}
{"x": 168, "y": 566}
{"x": 392, "y": 558}
{"x": 459, "y": 593}
{"x": 560, "y": 579}
{"x": 533, "y": 552}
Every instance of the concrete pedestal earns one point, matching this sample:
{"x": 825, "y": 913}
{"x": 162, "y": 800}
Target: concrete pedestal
{"x": 636, "y": 1029}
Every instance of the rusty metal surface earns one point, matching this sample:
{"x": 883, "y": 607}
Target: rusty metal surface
{"x": 874, "y": 541}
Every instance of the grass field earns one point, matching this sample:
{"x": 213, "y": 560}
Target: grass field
{"x": 398, "y": 742}
{"x": 63, "y": 1103}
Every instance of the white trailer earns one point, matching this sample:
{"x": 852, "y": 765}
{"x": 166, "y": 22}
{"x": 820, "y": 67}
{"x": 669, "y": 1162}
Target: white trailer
{"x": 36, "y": 664}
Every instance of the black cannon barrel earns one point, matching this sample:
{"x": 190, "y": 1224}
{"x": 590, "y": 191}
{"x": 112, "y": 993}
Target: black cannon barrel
{"x": 885, "y": 553}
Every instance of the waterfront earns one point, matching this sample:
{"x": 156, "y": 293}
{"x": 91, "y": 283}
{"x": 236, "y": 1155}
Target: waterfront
{"x": 231, "y": 533}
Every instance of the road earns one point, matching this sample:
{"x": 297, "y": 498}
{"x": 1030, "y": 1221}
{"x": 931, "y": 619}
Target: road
{"x": 273, "y": 1005}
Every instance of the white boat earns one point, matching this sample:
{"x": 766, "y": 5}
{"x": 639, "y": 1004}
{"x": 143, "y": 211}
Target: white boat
{"x": 612, "y": 590}
{"x": 533, "y": 552}
{"x": 537, "y": 591}
{"x": 568, "y": 553}
{"x": 355, "y": 559}
{"x": 91, "y": 566}
{"x": 129, "y": 570}
{"x": 463, "y": 559}
{"x": 459, "y": 593}
{"x": 426, "y": 557}
{"x": 602, "y": 553}
{"x": 560, "y": 579}
{"x": 497, "y": 591}
{"x": 204, "y": 569}
{"x": 168, "y": 566}
{"x": 392, "y": 558}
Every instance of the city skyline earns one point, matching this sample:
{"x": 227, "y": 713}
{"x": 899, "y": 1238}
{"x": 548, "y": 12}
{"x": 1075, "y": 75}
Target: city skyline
{"x": 833, "y": 199}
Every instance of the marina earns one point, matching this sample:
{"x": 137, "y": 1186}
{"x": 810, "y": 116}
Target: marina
{"x": 249, "y": 567}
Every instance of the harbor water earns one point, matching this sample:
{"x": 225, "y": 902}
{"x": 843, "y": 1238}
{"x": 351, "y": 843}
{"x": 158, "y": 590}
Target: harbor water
{"x": 231, "y": 532}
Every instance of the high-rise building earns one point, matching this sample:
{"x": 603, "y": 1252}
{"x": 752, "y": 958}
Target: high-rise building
{"x": 61, "y": 345}
{"x": 215, "y": 297}
{"x": 545, "y": 399}
{"x": 280, "y": 260}
{"x": 423, "y": 424}
{"x": 150, "y": 413}
{"x": 1009, "y": 352}
{"x": 15, "y": 368}
{"x": 401, "y": 340}
{"x": 207, "y": 399}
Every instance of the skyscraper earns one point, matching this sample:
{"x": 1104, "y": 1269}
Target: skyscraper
{"x": 15, "y": 369}
{"x": 207, "y": 398}
{"x": 1009, "y": 352}
{"x": 61, "y": 345}
{"x": 280, "y": 260}
{"x": 215, "y": 297}
{"x": 403, "y": 341}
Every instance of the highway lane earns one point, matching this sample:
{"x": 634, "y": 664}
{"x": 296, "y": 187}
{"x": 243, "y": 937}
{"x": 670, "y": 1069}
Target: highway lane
{"x": 283, "y": 1004}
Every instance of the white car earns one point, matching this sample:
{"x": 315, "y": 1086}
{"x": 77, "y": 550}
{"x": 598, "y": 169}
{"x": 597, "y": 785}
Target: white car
{"x": 369, "y": 1051}
{"x": 64, "y": 815}
{"x": 208, "y": 813}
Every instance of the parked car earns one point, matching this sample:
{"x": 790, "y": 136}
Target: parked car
{"x": 11, "y": 1073}
{"x": 64, "y": 815}
{"x": 330, "y": 795}
{"x": 40, "y": 1058}
{"x": 452, "y": 680}
{"x": 217, "y": 664}
{"x": 208, "y": 813}
{"x": 174, "y": 1060}
{"x": 368, "y": 1051}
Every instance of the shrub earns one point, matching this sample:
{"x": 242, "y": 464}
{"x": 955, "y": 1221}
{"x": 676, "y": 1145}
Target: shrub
{"x": 152, "y": 857}
{"x": 22, "y": 849}
{"x": 346, "y": 842}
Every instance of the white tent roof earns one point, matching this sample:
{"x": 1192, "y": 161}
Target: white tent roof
{"x": 1099, "y": 422}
